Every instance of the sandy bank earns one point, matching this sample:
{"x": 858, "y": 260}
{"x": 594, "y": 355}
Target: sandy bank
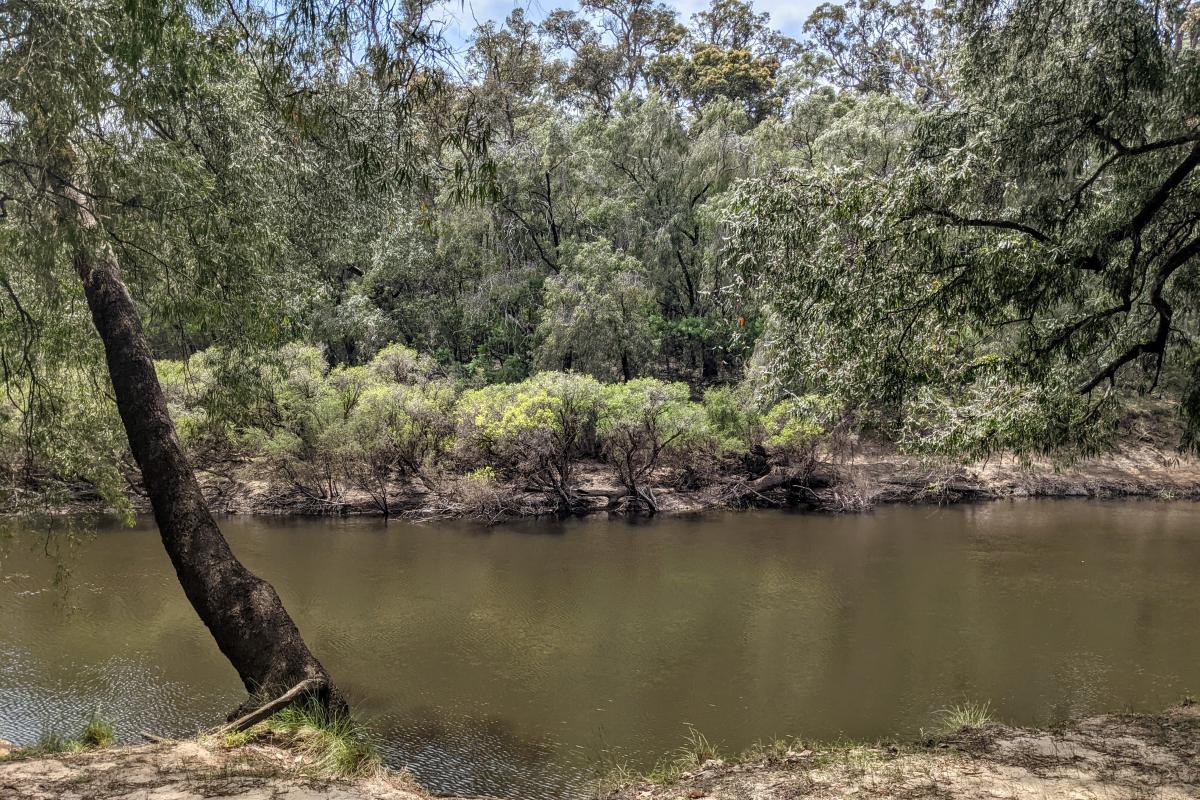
{"x": 1114, "y": 757}
{"x": 189, "y": 770}
{"x": 1111, "y": 757}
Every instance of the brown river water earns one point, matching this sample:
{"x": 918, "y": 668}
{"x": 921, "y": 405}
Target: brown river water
{"x": 514, "y": 660}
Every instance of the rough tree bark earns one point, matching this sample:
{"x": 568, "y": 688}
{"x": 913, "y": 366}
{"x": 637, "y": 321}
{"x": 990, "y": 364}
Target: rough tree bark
{"x": 242, "y": 611}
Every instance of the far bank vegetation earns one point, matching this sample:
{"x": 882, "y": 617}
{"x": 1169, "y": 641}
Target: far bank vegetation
{"x": 408, "y": 434}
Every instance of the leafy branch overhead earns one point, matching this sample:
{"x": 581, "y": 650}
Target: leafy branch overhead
{"x": 1022, "y": 260}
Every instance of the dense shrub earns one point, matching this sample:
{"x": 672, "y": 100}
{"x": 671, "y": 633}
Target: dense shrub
{"x": 396, "y": 432}
{"x": 357, "y": 426}
{"x": 733, "y": 417}
{"x": 644, "y": 422}
{"x": 798, "y": 427}
{"x": 534, "y": 431}
{"x": 397, "y": 363}
{"x": 324, "y": 430}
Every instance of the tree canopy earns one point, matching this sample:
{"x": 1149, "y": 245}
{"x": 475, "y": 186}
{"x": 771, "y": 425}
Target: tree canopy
{"x": 972, "y": 224}
{"x": 1009, "y": 266}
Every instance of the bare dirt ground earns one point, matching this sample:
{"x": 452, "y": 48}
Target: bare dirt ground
{"x": 189, "y": 770}
{"x": 1116, "y": 757}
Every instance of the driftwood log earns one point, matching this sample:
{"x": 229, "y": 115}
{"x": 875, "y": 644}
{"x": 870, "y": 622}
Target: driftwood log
{"x": 301, "y": 689}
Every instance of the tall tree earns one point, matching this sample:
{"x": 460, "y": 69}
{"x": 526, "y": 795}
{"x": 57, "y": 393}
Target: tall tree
{"x": 1027, "y": 259}
{"x": 881, "y": 46}
{"x": 731, "y": 52}
{"x": 162, "y": 150}
{"x": 101, "y": 110}
{"x": 612, "y": 44}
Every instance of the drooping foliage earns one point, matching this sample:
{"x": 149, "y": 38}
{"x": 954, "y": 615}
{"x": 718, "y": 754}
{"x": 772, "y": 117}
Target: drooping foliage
{"x": 971, "y": 226}
{"x": 1021, "y": 261}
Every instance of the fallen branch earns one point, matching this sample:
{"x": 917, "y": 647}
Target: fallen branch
{"x": 278, "y": 704}
{"x": 757, "y": 488}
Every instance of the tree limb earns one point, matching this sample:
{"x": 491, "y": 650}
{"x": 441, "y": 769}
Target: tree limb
{"x": 248, "y": 721}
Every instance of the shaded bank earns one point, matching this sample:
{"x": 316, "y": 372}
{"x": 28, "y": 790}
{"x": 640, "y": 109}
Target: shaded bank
{"x": 867, "y": 476}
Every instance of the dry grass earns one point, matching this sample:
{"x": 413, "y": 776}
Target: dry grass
{"x": 1116, "y": 757}
{"x": 331, "y": 747}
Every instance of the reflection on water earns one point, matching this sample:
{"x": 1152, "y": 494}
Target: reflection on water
{"x": 510, "y": 661}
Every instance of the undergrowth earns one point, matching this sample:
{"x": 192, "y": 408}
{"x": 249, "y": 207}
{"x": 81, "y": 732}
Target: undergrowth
{"x": 97, "y": 733}
{"x": 332, "y": 746}
{"x": 969, "y": 714}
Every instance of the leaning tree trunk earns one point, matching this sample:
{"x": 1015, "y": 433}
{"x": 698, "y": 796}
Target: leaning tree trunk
{"x": 242, "y": 611}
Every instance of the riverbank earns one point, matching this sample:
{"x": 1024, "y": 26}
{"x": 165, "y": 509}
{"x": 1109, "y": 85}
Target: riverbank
{"x": 862, "y": 473}
{"x": 868, "y": 474}
{"x": 191, "y": 770}
{"x": 1111, "y": 757}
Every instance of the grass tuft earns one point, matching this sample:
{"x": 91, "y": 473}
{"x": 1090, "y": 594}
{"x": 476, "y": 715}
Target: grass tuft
{"x": 695, "y": 750}
{"x": 333, "y": 746}
{"x": 698, "y": 748}
{"x": 98, "y": 732}
{"x": 609, "y": 779}
{"x": 963, "y": 715}
{"x": 50, "y": 743}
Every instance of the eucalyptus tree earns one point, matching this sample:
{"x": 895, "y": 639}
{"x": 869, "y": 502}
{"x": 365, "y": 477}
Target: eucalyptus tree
{"x": 509, "y": 68}
{"x": 730, "y": 52}
{"x": 156, "y": 150}
{"x": 610, "y": 46}
{"x": 1025, "y": 259}
{"x": 598, "y": 314}
{"x": 652, "y": 172}
{"x": 881, "y": 46}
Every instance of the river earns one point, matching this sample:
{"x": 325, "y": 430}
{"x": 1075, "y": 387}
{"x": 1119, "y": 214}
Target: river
{"x": 513, "y": 660}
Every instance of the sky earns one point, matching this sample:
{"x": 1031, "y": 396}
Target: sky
{"x": 786, "y": 15}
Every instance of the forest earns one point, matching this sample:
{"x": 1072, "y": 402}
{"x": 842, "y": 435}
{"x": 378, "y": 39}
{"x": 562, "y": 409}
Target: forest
{"x": 370, "y": 260}
{"x": 387, "y": 258}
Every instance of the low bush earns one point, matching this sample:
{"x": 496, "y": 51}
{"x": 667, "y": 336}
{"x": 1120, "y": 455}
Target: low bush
{"x": 325, "y": 430}
{"x": 534, "y": 432}
{"x": 733, "y": 417}
{"x": 395, "y": 432}
{"x": 644, "y": 423}
{"x": 796, "y": 429}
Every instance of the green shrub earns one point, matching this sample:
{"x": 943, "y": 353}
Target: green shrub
{"x": 797, "y": 427}
{"x": 642, "y": 423}
{"x": 397, "y": 363}
{"x": 535, "y": 431}
{"x": 733, "y": 417}
{"x": 304, "y": 439}
{"x": 396, "y": 432}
